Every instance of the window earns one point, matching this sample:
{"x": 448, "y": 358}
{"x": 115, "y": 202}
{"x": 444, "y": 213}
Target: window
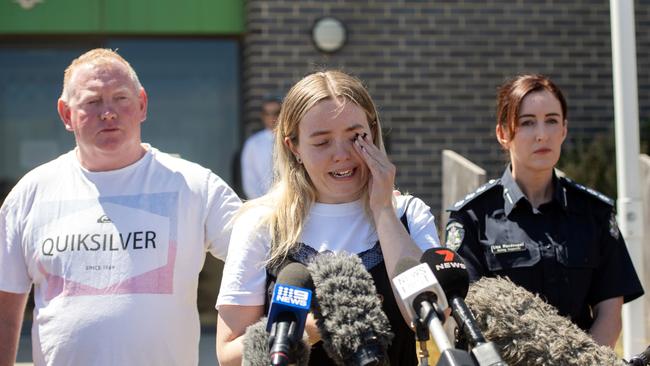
{"x": 192, "y": 84}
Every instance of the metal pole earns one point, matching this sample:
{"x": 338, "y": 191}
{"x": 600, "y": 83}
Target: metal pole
{"x": 630, "y": 211}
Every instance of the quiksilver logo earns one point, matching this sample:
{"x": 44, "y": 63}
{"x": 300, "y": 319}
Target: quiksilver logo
{"x": 103, "y": 219}
{"x": 99, "y": 242}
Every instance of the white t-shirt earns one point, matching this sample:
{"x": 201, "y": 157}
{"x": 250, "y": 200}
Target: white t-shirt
{"x": 114, "y": 257}
{"x": 257, "y": 164}
{"x": 333, "y": 227}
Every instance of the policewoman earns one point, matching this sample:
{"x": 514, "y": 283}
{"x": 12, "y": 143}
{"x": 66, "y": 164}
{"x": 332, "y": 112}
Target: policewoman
{"x": 546, "y": 233}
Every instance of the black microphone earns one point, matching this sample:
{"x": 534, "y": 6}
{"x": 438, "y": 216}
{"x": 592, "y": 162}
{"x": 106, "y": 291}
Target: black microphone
{"x": 290, "y": 305}
{"x": 424, "y": 301}
{"x": 256, "y": 347}
{"x": 352, "y": 325}
{"x": 451, "y": 272}
{"x": 642, "y": 359}
{"x": 528, "y": 331}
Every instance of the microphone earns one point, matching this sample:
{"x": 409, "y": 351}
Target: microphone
{"x": 423, "y": 299}
{"x": 354, "y": 329}
{"x": 451, "y": 272}
{"x": 528, "y": 331}
{"x": 290, "y": 304}
{"x": 642, "y": 359}
{"x": 256, "y": 350}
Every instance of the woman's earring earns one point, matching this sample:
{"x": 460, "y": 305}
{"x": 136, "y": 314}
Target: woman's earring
{"x": 298, "y": 159}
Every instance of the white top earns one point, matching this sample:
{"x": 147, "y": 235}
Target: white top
{"x": 257, "y": 164}
{"x": 114, "y": 257}
{"x": 334, "y": 227}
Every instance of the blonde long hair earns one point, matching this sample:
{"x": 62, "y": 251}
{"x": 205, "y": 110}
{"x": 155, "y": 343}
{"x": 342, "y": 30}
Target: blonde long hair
{"x": 293, "y": 193}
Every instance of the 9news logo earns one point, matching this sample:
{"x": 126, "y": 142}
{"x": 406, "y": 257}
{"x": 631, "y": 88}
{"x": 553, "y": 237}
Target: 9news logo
{"x": 293, "y": 296}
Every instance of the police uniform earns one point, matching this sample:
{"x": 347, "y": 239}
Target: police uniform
{"x": 568, "y": 250}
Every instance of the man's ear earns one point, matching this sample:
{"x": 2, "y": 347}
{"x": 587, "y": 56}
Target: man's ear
{"x": 64, "y": 113}
{"x": 502, "y": 137}
{"x": 144, "y": 102}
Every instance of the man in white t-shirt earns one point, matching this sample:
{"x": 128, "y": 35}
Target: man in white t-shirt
{"x": 257, "y": 155}
{"x": 112, "y": 235}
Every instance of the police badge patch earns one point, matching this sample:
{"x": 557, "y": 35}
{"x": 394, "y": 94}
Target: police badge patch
{"x": 454, "y": 234}
{"x": 613, "y": 227}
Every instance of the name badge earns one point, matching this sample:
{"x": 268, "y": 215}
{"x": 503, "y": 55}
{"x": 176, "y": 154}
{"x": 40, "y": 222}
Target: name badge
{"x": 507, "y": 248}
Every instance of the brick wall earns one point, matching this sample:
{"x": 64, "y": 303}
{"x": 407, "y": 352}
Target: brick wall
{"x": 433, "y": 68}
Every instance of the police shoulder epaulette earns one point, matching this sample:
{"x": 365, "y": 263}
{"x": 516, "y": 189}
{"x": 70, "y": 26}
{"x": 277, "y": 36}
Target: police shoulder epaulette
{"x": 591, "y": 192}
{"x": 470, "y": 196}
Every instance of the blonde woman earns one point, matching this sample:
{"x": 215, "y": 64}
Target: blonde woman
{"x": 333, "y": 192}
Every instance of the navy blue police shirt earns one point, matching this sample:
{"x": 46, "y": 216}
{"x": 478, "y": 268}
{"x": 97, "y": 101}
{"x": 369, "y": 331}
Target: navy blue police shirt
{"x": 568, "y": 250}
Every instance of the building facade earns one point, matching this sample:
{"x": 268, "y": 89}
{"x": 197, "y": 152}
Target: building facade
{"x": 433, "y": 68}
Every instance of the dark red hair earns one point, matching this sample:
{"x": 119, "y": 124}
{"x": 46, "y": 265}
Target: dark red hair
{"x": 512, "y": 93}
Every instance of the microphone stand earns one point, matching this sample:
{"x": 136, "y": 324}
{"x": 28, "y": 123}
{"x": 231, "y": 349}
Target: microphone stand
{"x": 422, "y": 336}
{"x": 431, "y": 316}
{"x": 484, "y": 353}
